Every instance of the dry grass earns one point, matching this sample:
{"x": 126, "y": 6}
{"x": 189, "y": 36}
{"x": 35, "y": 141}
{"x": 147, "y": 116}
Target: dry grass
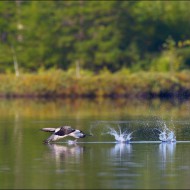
{"x": 64, "y": 84}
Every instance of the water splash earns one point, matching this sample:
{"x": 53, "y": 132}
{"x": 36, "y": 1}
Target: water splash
{"x": 121, "y": 137}
{"x": 71, "y": 142}
{"x": 167, "y": 135}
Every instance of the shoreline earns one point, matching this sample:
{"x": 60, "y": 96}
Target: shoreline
{"x": 60, "y": 84}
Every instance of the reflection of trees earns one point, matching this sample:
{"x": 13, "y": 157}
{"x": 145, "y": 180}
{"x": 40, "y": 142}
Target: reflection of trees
{"x": 18, "y": 137}
{"x": 96, "y": 107}
{"x": 146, "y": 132}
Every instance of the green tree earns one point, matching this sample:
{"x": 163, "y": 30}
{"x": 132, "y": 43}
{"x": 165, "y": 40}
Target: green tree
{"x": 7, "y": 34}
{"x": 91, "y": 35}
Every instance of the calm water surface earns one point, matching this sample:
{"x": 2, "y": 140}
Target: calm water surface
{"x": 96, "y": 162}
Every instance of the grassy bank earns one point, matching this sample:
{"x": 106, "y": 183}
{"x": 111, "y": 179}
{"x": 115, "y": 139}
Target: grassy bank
{"x": 121, "y": 84}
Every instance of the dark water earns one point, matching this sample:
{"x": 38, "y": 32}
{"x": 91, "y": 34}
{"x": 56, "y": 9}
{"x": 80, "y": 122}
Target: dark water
{"x": 95, "y": 162}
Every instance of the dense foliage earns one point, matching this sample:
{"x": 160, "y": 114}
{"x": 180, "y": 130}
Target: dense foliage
{"x": 94, "y": 35}
{"x": 64, "y": 84}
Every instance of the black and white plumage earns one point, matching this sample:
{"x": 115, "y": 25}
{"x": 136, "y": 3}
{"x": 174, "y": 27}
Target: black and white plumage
{"x": 62, "y": 132}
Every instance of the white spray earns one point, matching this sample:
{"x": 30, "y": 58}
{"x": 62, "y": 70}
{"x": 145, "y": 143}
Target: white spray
{"x": 119, "y": 135}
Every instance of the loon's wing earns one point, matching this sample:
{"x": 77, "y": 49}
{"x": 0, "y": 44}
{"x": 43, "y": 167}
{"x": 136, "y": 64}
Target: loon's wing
{"x": 59, "y": 133}
{"x": 54, "y": 137}
{"x": 65, "y": 130}
{"x": 48, "y": 129}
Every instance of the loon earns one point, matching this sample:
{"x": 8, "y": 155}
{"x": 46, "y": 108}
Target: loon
{"x": 64, "y": 131}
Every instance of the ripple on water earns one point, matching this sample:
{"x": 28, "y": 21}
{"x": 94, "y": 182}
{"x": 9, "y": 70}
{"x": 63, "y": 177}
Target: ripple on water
{"x": 4, "y": 169}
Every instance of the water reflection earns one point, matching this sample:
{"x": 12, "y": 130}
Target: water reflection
{"x": 39, "y": 108}
{"x": 121, "y": 149}
{"x": 26, "y": 163}
{"x": 66, "y": 153}
{"x": 166, "y": 153}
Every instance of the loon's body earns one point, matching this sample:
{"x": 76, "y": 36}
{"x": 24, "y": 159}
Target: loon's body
{"x": 62, "y": 132}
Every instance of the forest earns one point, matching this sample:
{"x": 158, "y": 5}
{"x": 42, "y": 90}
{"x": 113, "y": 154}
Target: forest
{"x": 94, "y": 37}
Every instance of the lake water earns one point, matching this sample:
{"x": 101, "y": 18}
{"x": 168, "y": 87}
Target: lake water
{"x": 95, "y": 162}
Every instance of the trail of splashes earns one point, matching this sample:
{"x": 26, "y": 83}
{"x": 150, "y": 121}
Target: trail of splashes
{"x": 119, "y": 135}
{"x": 166, "y": 135}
